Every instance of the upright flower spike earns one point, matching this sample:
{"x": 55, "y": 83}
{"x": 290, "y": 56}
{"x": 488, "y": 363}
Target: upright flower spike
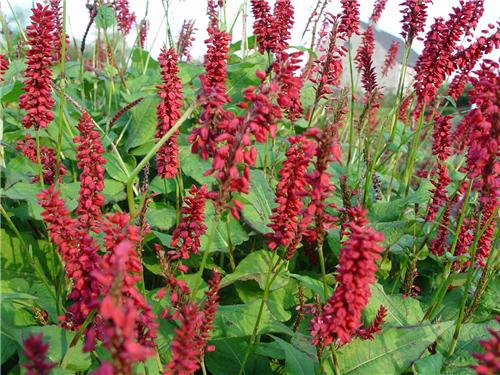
{"x": 349, "y": 19}
{"x": 91, "y": 163}
{"x": 414, "y": 18}
{"x": 264, "y": 26}
{"x": 290, "y": 192}
{"x": 186, "y": 345}
{"x": 435, "y": 62}
{"x": 185, "y": 41}
{"x": 466, "y": 59}
{"x": 124, "y": 17}
{"x": 37, "y": 98}
{"x": 341, "y": 315}
{"x": 78, "y": 252}
{"x": 284, "y": 20}
{"x": 364, "y": 61}
{"x": 209, "y": 310}
{"x": 143, "y": 33}
{"x": 489, "y": 361}
{"x": 118, "y": 313}
{"x": 4, "y": 65}
{"x": 327, "y": 151}
{"x": 390, "y": 58}
{"x": 213, "y": 118}
{"x": 378, "y": 8}
{"x": 35, "y": 351}
{"x": 168, "y": 113}
{"x": 118, "y": 231}
{"x": 186, "y": 237}
{"x": 48, "y": 160}
{"x": 55, "y": 5}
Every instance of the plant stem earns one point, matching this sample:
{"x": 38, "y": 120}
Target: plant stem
{"x": 204, "y": 259}
{"x": 412, "y": 153}
{"x": 323, "y": 268}
{"x": 61, "y": 93}
{"x": 269, "y": 281}
{"x": 149, "y": 156}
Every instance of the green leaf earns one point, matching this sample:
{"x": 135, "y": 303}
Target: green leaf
{"x": 430, "y": 365}
{"x": 258, "y": 203}
{"x": 400, "y": 311}
{"x": 239, "y": 321}
{"x": 228, "y": 356}
{"x": 7, "y": 347}
{"x": 114, "y": 168}
{"x": 297, "y": 362}
{"x": 193, "y": 166}
{"x": 221, "y": 241}
{"x": 161, "y": 216}
{"x": 391, "y": 352}
{"x": 143, "y": 125}
{"x": 254, "y": 267}
{"x": 315, "y": 285}
{"x": 105, "y": 16}
{"x": 468, "y": 343}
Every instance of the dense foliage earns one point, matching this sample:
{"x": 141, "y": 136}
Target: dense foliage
{"x": 258, "y": 212}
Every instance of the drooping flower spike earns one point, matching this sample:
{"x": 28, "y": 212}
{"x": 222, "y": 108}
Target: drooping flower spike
{"x": 35, "y": 351}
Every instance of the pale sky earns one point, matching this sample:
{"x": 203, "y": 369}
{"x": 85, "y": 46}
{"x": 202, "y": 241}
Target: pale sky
{"x": 195, "y": 9}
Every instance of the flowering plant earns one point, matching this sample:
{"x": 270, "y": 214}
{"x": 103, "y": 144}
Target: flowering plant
{"x": 268, "y": 209}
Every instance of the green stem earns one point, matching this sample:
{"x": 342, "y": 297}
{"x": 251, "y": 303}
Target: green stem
{"x": 204, "y": 259}
{"x": 149, "y": 156}
{"x": 412, "y": 153}
{"x": 76, "y": 338}
{"x": 230, "y": 248}
{"x": 61, "y": 93}
{"x": 323, "y": 269}
{"x": 268, "y": 283}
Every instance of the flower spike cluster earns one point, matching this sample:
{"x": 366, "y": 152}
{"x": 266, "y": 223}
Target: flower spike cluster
{"x": 55, "y": 5}
{"x": 375, "y": 326}
{"x": 167, "y": 113}
{"x": 37, "y": 98}
{"x": 349, "y": 20}
{"x": 290, "y": 192}
{"x": 185, "y": 41}
{"x": 284, "y": 19}
{"x": 264, "y": 27}
{"x": 91, "y": 162}
{"x": 48, "y": 160}
{"x": 378, "y": 8}
{"x": 35, "y": 351}
{"x": 78, "y": 251}
{"x": 414, "y": 17}
{"x": 213, "y": 95}
{"x": 341, "y": 315}
{"x": 118, "y": 313}
{"x": 124, "y": 17}
{"x": 4, "y": 65}
{"x": 186, "y": 237}
{"x": 390, "y": 58}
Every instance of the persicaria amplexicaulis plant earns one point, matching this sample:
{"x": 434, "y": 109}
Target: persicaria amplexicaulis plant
{"x": 278, "y": 201}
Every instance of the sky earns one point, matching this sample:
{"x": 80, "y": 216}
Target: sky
{"x": 196, "y": 10}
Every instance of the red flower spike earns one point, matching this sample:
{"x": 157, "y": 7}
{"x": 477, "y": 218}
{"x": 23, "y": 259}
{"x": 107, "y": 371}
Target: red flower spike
{"x": 37, "y": 98}
{"x": 78, "y": 252}
{"x": 341, "y": 316}
{"x": 35, "y": 351}
{"x": 213, "y": 119}
{"x": 414, "y": 18}
{"x": 435, "y": 62}
{"x": 441, "y": 145}
{"x": 210, "y": 309}
{"x": 168, "y": 113}
{"x": 364, "y": 61}
{"x": 4, "y": 65}
{"x": 91, "y": 163}
{"x": 121, "y": 320}
{"x": 186, "y": 237}
{"x": 390, "y": 58}
{"x": 349, "y": 19}
{"x": 284, "y": 20}
{"x": 119, "y": 235}
{"x": 290, "y": 192}
{"x": 489, "y": 361}
{"x": 375, "y": 327}
{"x": 55, "y": 5}
{"x": 378, "y": 8}
{"x": 124, "y": 17}
{"x": 185, "y": 41}
{"x": 327, "y": 151}
{"x": 48, "y": 160}
{"x": 466, "y": 59}
{"x": 186, "y": 346}
{"x": 143, "y": 33}
{"x": 485, "y": 242}
{"x": 439, "y": 193}
{"x": 264, "y": 26}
